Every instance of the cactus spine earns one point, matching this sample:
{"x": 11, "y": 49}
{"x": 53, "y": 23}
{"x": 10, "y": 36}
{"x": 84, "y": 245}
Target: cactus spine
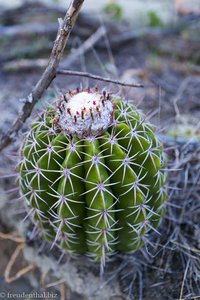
{"x": 92, "y": 173}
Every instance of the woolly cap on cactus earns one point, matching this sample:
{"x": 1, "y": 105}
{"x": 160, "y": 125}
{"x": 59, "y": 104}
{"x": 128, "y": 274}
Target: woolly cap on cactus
{"x": 92, "y": 173}
{"x": 85, "y": 113}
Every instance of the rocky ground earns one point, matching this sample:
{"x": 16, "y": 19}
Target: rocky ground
{"x": 167, "y": 61}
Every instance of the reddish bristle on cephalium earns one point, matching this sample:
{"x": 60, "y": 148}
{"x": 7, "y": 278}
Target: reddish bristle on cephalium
{"x": 93, "y": 175}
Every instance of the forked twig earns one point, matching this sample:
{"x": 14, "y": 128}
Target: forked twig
{"x": 97, "y": 77}
{"x": 49, "y": 74}
{"x": 10, "y": 264}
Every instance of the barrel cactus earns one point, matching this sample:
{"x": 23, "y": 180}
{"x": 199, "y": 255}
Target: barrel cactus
{"x": 92, "y": 173}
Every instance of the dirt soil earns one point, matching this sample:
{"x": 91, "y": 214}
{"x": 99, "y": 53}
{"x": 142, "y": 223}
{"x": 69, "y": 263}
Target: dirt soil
{"x": 167, "y": 62}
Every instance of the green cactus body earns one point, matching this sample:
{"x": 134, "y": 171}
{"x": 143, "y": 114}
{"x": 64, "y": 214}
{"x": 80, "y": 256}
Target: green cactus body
{"x": 93, "y": 175}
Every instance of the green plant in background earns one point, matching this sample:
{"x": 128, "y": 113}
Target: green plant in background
{"x": 154, "y": 20}
{"x": 92, "y": 173}
{"x": 114, "y": 10}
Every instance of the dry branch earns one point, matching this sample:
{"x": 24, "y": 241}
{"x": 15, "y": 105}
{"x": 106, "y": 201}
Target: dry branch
{"x": 49, "y": 74}
{"x": 97, "y": 77}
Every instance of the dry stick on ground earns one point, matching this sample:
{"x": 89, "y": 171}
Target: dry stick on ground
{"x": 11, "y": 262}
{"x": 12, "y": 236}
{"x": 18, "y": 250}
{"x": 97, "y": 77}
{"x": 49, "y": 74}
